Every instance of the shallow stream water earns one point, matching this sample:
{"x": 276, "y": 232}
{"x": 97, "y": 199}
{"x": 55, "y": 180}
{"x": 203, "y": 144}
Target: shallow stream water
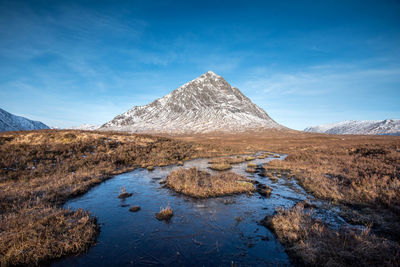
{"x": 217, "y": 231}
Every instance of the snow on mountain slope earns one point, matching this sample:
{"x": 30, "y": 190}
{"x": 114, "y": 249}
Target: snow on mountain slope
{"x": 384, "y": 127}
{"x": 206, "y": 104}
{"x": 86, "y": 127}
{"x": 10, "y": 122}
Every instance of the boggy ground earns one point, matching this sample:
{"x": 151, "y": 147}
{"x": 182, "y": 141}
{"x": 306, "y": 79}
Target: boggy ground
{"x": 201, "y": 184}
{"x": 360, "y": 174}
{"x": 311, "y": 242}
{"x": 40, "y": 170}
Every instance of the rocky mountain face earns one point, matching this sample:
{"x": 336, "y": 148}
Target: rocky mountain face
{"x": 206, "y": 104}
{"x": 10, "y": 122}
{"x": 385, "y": 127}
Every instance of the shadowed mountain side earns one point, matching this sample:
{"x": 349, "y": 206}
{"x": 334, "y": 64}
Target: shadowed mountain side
{"x": 11, "y": 122}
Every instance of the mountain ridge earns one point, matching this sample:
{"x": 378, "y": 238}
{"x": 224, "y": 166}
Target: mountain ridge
{"x": 205, "y": 104}
{"x": 369, "y": 127}
{"x": 11, "y": 122}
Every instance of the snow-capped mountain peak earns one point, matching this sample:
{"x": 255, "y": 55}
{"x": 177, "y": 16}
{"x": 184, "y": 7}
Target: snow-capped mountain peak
{"x": 205, "y": 104}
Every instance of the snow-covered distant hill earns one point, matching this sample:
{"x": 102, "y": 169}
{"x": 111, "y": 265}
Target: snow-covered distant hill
{"x": 10, "y": 122}
{"x": 86, "y": 127}
{"x": 384, "y": 127}
{"x": 206, "y": 104}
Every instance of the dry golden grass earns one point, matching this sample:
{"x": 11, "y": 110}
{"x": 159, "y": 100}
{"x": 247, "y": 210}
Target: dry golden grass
{"x": 40, "y": 170}
{"x": 275, "y": 165}
{"x": 165, "y": 214}
{"x": 201, "y": 184}
{"x": 40, "y": 233}
{"x": 124, "y": 194}
{"x": 360, "y": 173}
{"x": 354, "y": 170}
{"x": 227, "y": 160}
{"x": 312, "y": 243}
{"x": 220, "y": 166}
{"x": 236, "y": 160}
{"x": 263, "y": 189}
{"x": 275, "y": 169}
{"x": 250, "y": 170}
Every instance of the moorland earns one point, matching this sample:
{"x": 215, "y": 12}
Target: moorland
{"x": 40, "y": 170}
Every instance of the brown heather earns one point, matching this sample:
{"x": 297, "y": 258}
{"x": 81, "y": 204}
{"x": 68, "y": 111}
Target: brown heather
{"x": 360, "y": 173}
{"x": 220, "y": 166}
{"x": 201, "y": 184}
{"x": 40, "y": 170}
{"x": 252, "y": 165}
{"x": 227, "y": 160}
{"x": 39, "y": 233}
{"x": 165, "y": 214}
{"x": 311, "y": 242}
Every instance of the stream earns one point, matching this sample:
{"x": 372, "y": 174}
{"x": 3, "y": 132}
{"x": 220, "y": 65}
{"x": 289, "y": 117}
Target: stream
{"x": 217, "y": 231}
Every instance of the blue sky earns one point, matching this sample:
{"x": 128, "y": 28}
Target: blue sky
{"x": 305, "y": 62}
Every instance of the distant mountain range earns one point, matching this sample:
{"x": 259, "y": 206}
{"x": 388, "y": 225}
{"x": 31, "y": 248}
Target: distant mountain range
{"x": 206, "y": 104}
{"x": 203, "y": 105}
{"x": 384, "y": 127}
{"x": 10, "y": 122}
{"x": 86, "y": 127}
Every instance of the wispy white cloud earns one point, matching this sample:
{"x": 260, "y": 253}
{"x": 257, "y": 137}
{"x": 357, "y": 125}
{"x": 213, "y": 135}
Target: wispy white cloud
{"x": 324, "y": 93}
{"x": 318, "y": 80}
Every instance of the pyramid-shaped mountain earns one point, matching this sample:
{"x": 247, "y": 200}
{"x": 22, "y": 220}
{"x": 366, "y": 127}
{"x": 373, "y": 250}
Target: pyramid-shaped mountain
{"x": 206, "y": 104}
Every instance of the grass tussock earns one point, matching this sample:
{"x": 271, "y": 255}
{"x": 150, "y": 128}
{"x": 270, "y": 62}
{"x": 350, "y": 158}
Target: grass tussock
{"x": 200, "y": 184}
{"x": 264, "y": 190}
{"x": 38, "y": 234}
{"x": 275, "y": 169}
{"x": 165, "y": 214}
{"x": 227, "y": 160}
{"x": 124, "y": 194}
{"x": 134, "y": 208}
{"x": 40, "y": 170}
{"x": 220, "y": 166}
{"x": 311, "y": 242}
{"x": 251, "y": 170}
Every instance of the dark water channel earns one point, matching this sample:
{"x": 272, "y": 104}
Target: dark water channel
{"x": 209, "y": 232}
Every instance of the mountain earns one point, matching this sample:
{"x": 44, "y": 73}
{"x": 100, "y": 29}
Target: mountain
{"x": 206, "y": 104}
{"x": 10, "y": 122}
{"x": 86, "y": 127}
{"x": 384, "y": 127}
